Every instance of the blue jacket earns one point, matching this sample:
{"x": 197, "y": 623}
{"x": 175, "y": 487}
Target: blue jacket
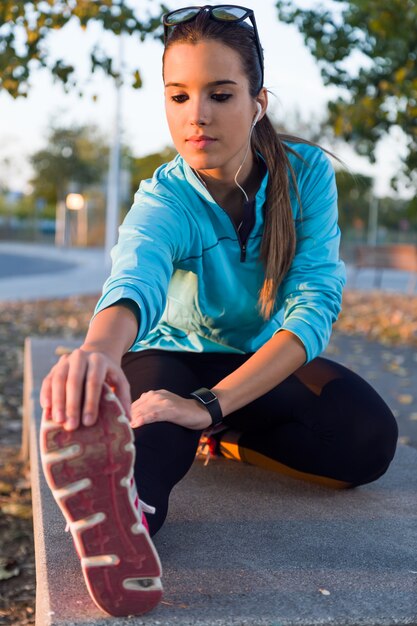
{"x": 178, "y": 257}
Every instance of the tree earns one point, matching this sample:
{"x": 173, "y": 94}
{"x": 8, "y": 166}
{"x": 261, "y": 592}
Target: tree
{"x": 26, "y": 24}
{"x": 77, "y": 155}
{"x": 354, "y": 194}
{"x": 382, "y": 94}
{"x": 144, "y": 167}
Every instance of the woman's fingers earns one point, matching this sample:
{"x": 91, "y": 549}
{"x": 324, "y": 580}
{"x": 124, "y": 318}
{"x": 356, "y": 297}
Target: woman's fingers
{"x": 58, "y": 384}
{"x": 70, "y": 393}
{"x": 45, "y": 396}
{"x": 47, "y": 414}
{"x": 74, "y": 388}
{"x": 93, "y": 386}
{"x": 120, "y": 384}
{"x": 163, "y": 405}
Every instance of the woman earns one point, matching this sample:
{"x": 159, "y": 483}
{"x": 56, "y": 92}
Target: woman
{"x": 226, "y": 280}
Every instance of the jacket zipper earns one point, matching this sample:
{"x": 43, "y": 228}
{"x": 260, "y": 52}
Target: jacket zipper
{"x": 241, "y": 245}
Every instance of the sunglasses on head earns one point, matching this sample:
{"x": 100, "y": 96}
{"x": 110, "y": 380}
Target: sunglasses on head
{"x": 225, "y": 13}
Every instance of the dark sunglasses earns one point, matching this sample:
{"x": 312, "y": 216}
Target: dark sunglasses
{"x": 230, "y": 13}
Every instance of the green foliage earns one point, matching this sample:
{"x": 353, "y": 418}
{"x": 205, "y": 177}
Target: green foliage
{"x": 382, "y": 94}
{"x": 144, "y": 167}
{"x": 411, "y": 212}
{"x": 392, "y": 212}
{"x": 72, "y": 155}
{"x": 354, "y": 193}
{"x": 22, "y": 208}
{"x": 4, "y": 206}
{"x": 26, "y": 24}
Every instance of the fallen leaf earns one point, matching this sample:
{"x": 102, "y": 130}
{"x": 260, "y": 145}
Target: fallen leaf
{"x": 61, "y": 350}
{"x": 5, "y": 488}
{"x": 17, "y": 510}
{"x": 8, "y": 569}
{"x": 404, "y": 440}
{"x": 324, "y": 592}
{"x": 405, "y": 398}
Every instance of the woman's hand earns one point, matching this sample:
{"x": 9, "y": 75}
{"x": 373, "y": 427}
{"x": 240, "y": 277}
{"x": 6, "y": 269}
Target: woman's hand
{"x": 164, "y": 406}
{"x": 70, "y": 393}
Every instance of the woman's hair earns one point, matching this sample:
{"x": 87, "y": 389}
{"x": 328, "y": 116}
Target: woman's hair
{"x": 279, "y": 239}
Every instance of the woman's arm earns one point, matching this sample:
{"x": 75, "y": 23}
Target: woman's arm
{"x": 71, "y": 391}
{"x": 279, "y": 357}
{"x": 113, "y": 331}
{"x": 270, "y": 365}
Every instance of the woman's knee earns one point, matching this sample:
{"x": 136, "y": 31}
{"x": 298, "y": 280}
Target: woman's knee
{"x": 368, "y": 430}
{"x": 378, "y": 448}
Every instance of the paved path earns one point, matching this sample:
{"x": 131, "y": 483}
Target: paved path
{"x": 247, "y": 547}
{"x": 21, "y": 265}
{"x": 40, "y": 271}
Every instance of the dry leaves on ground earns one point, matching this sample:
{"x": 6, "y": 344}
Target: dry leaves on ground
{"x": 385, "y": 317}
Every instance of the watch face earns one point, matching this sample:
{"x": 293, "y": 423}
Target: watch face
{"x": 210, "y": 401}
{"x": 207, "y": 396}
{"x": 204, "y": 395}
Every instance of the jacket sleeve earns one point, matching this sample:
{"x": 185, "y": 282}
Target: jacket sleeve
{"x": 150, "y": 240}
{"x": 311, "y": 292}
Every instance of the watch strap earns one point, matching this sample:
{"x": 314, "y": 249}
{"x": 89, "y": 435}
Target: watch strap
{"x": 208, "y": 398}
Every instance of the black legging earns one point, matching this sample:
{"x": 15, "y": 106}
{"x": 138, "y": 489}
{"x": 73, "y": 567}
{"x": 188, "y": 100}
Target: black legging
{"x": 323, "y": 420}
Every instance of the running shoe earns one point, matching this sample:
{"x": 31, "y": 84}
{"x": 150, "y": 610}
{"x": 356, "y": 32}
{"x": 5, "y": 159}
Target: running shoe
{"x": 209, "y": 445}
{"x": 90, "y": 473}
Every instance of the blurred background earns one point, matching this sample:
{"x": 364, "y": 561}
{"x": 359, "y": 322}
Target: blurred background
{"x": 82, "y": 114}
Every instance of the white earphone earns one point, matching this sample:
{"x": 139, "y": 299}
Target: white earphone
{"x": 259, "y": 111}
{"x": 255, "y": 119}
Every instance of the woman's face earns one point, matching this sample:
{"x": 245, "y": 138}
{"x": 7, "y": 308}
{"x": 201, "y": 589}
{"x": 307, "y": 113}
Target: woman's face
{"x": 208, "y": 105}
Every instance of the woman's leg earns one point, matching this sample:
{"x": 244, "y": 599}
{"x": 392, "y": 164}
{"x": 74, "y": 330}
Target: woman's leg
{"x": 164, "y": 451}
{"x": 324, "y": 423}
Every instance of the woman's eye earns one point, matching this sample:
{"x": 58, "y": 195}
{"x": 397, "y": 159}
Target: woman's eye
{"x": 218, "y": 97}
{"x": 221, "y": 97}
{"x": 179, "y": 98}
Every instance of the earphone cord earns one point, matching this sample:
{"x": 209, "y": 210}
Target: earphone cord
{"x": 238, "y": 171}
{"x": 241, "y": 165}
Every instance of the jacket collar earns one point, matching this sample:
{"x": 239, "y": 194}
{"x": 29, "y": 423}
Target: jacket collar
{"x": 202, "y": 190}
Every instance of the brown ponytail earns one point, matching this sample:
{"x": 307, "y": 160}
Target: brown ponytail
{"x": 278, "y": 242}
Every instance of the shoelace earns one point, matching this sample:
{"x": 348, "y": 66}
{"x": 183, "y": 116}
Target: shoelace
{"x": 206, "y": 448}
{"x": 209, "y": 444}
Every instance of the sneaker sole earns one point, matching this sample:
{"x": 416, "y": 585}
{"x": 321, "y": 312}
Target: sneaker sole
{"x": 89, "y": 472}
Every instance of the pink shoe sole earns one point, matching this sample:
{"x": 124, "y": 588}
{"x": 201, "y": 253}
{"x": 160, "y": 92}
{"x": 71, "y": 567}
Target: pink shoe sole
{"x": 89, "y": 471}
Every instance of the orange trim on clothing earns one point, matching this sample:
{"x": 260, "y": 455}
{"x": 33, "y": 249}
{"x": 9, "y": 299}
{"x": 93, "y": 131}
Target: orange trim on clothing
{"x": 232, "y": 450}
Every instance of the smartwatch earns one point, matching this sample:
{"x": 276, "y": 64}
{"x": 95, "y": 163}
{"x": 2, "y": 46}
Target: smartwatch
{"x": 209, "y": 399}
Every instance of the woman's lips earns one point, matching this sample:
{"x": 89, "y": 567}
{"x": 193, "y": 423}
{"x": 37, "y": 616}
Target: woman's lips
{"x": 201, "y": 142}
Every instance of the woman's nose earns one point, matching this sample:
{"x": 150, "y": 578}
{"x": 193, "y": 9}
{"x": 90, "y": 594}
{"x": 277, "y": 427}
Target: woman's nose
{"x": 200, "y": 113}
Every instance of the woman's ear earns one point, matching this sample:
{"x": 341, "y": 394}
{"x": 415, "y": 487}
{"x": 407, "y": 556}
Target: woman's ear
{"x": 261, "y": 103}
{"x": 258, "y": 113}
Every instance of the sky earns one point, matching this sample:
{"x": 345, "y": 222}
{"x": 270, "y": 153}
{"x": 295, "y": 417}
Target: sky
{"x": 291, "y": 74}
